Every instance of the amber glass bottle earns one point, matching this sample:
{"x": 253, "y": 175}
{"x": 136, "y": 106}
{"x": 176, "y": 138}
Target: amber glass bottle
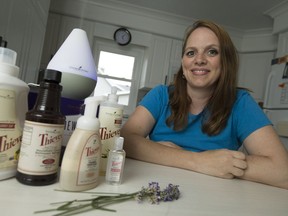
{"x": 42, "y": 135}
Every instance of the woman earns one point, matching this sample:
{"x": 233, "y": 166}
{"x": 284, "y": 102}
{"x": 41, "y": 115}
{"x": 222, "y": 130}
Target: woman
{"x": 200, "y": 121}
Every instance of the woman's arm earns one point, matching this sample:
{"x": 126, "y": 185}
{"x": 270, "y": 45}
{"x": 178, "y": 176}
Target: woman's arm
{"x": 267, "y": 158}
{"x": 138, "y": 146}
{"x": 221, "y": 163}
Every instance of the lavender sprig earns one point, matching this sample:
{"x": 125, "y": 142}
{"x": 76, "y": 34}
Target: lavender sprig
{"x": 170, "y": 193}
{"x": 152, "y": 193}
{"x": 155, "y": 195}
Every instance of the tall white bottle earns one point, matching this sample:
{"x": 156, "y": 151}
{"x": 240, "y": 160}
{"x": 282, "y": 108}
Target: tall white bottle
{"x": 14, "y": 105}
{"x": 110, "y": 116}
{"x": 81, "y": 161}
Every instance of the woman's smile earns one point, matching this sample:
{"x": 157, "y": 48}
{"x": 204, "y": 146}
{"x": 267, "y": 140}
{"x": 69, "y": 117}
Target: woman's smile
{"x": 199, "y": 71}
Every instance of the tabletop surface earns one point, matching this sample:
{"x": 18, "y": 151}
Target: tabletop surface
{"x": 200, "y": 195}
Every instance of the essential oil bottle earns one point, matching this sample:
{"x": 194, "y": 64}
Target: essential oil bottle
{"x": 115, "y": 164}
{"x": 42, "y": 135}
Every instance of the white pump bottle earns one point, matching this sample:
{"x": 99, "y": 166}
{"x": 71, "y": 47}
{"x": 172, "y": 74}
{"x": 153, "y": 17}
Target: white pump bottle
{"x": 81, "y": 161}
{"x": 110, "y": 116}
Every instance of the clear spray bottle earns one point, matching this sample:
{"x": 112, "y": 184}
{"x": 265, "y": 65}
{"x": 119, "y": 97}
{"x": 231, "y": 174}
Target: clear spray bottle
{"x": 115, "y": 164}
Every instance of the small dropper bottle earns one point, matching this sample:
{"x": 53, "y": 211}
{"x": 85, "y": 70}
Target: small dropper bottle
{"x": 115, "y": 164}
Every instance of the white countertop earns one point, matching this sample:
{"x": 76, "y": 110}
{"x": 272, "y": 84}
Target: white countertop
{"x": 200, "y": 195}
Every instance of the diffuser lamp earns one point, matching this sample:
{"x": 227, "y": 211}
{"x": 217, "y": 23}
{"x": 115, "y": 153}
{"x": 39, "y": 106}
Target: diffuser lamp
{"x": 75, "y": 60}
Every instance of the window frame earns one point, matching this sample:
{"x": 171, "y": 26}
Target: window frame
{"x": 138, "y": 52}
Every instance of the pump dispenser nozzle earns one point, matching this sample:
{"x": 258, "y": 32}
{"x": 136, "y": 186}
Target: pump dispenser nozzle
{"x": 113, "y": 96}
{"x": 91, "y": 106}
{"x": 89, "y": 121}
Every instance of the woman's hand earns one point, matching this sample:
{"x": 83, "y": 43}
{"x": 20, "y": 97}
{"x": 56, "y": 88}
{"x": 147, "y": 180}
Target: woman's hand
{"x": 222, "y": 163}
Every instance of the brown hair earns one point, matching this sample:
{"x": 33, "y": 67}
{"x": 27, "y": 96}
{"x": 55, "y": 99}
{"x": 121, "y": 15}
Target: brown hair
{"x": 224, "y": 94}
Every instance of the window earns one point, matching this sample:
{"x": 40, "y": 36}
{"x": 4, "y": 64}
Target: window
{"x": 120, "y": 67}
{"x": 115, "y": 70}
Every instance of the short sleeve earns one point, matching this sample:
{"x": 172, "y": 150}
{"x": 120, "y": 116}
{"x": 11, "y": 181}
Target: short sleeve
{"x": 248, "y": 115}
{"x": 156, "y": 100}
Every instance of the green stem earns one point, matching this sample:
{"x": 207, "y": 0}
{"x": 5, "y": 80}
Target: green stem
{"x": 97, "y": 203}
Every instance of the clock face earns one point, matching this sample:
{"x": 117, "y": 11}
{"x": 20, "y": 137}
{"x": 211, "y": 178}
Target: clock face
{"x": 122, "y": 36}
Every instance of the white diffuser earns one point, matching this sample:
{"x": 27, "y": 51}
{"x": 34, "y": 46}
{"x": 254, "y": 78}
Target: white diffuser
{"x": 75, "y": 60}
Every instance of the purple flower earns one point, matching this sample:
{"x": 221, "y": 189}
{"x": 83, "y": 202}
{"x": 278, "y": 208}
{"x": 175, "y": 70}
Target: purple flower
{"x": 170, "y": 193}
{"x": 154, "y": 194}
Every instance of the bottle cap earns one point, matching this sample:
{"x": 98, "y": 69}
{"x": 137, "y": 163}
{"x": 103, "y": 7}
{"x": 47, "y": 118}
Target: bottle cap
{"x": 52, "y": 76}
{"x": 7, "y": 56}
{"x": 119, "y": 143}
{"x": 8, "y": 62}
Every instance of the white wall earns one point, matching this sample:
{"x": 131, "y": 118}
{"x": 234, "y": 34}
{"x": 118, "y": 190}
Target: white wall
{"x": 167, "y": 25}
{"x": 23, "y": 25}
{"x": 254, "y": 70}
{"x": 256, "y": 48}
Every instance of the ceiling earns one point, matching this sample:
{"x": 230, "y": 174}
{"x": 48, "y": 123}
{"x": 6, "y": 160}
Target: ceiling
{"x": 240, "y": 14}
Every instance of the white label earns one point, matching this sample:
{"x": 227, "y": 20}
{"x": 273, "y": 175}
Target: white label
{"x": 89, "y": 162}
{"x": 40, "y": 148}
{"x": 114, "y": 168}
{"x": 111, "y": 122}
{"x": 10, "y": 133}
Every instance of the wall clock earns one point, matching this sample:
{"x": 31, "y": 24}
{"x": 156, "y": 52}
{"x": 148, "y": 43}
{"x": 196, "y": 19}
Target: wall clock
{"x": 122, "y": 36}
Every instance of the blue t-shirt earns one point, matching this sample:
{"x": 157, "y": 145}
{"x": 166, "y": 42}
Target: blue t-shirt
{"x": 245, "y": 118}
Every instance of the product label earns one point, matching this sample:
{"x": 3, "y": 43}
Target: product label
{"x": 111, "y": 122}
{"x": 40, "y": 148}
{"x": 90, "y": 161}
{"x": 114, "y": 167}
{"x": 10, "y": 133}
